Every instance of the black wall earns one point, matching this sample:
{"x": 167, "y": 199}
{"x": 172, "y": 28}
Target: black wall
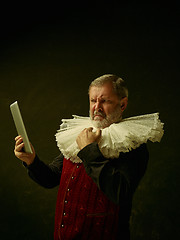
{"x": 48, "y": 57}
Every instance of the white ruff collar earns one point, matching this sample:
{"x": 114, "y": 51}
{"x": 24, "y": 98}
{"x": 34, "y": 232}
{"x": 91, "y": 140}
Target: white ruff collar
{"x": 124, "y": 136}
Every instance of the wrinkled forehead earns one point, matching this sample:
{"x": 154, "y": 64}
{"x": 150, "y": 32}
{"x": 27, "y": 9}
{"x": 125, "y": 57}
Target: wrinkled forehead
{"x": 105, "y": 90}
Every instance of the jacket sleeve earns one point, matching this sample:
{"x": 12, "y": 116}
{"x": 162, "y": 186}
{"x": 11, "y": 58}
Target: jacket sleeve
{"x": 45, "y": 175}
{"x": 117, "y": 178}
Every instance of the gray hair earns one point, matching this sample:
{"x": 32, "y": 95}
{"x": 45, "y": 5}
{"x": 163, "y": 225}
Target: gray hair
{"x": 119, "y": 85}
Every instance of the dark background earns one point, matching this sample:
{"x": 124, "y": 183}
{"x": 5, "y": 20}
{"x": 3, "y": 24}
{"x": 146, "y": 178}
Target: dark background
{"x": 48, "y": 57}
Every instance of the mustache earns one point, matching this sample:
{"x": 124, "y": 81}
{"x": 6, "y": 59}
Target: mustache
{"x": 99, "y": 114}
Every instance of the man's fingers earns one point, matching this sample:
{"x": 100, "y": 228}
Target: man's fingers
{"x": 18, "y": 141}
{"x": 89, "y": 129}
{"x": 18, "y": 148}
{"x": 18, "y": 137}
{"x": 19, "y": 144}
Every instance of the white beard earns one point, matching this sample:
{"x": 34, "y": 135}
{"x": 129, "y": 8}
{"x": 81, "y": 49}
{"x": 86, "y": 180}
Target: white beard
{"x": 114, "y": 117}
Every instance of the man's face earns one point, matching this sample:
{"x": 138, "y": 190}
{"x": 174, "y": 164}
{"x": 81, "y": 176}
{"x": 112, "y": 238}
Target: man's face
{"x": 105, "y": 106}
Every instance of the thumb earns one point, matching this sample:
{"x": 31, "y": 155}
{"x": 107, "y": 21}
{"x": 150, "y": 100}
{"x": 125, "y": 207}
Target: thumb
{"x": 98, "y": 132}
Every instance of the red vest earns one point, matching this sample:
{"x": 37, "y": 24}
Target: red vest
{"x": 82, "y": 210}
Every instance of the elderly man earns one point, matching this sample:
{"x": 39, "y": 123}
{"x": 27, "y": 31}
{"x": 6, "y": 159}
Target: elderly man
{"x": 97, "y": 171}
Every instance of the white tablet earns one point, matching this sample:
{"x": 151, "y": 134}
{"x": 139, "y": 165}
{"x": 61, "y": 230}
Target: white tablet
{"x": 20, "y": 126}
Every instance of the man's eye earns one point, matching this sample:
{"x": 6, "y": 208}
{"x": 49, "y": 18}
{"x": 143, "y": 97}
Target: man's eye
{"x": 107, "y": 101}
{"x": 93, "y": 100}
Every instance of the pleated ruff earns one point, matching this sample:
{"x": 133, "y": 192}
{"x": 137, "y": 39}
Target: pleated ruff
{"x": 124, "y": 136}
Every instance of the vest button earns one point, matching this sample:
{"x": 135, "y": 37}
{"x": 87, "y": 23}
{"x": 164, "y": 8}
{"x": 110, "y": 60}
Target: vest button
{"x": 65, "y": 201}
{"x": 77, "y": 166}
{"x": 62, "y": 225}
{"x": 64, "y": 214}
{"x": 72, "y": 177}
{"x": 68, "y": 189}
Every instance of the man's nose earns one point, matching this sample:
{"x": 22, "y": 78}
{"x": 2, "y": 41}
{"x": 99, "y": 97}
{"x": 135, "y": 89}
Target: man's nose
{"x": 98, "y": 105}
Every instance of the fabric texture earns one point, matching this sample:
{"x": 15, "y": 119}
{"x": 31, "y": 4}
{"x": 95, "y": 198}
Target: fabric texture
{"x": 115, "y": 180}
{"x": 120, "y": 137}
{"x": 82, "y": 210}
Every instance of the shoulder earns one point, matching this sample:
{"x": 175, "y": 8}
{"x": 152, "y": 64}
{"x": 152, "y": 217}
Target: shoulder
{"x": 140, "y": 153}
{"x": 132, "y": 164}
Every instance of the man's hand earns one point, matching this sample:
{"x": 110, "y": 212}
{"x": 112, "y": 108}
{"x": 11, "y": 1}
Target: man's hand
{"x": 28, "y": 158}
{"x": 87, "y": 137}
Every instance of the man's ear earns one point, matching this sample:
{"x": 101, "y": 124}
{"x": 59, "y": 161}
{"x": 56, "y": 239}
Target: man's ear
{"x": 124, "y": 103}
